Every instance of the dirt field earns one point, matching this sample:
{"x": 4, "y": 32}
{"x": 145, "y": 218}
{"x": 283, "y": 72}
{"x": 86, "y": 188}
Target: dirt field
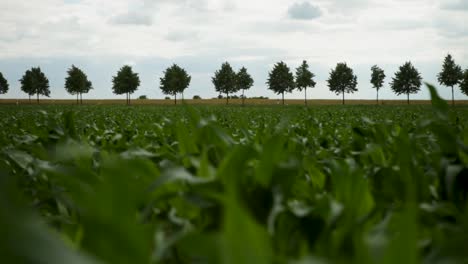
{"x": 220, "y": 102}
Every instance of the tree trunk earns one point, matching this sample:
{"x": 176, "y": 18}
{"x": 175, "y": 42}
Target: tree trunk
{"x": 81, "y": 98}
{"x": 29, "y": 98}
{"x": 227, "y": 98}
{"x": 343, "y": 98}
{"x": 175, "y": 98}
{"x": 243, "y": 97}
{"x": 453, "y": 98}
{"x": 77, "y": 102}
{"x": 182, "y": 96}
{"x": 37, "y": 98}
{"x": 305, "y": 96}
{"x": 377, "y": 97}
{"x": 128, "y": 98}
{"x": 283, "y": 97}
{"x": 408, "y": 97}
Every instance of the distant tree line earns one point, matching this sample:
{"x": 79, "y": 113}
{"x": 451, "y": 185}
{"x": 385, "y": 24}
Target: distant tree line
{"x": 227, "y": 81}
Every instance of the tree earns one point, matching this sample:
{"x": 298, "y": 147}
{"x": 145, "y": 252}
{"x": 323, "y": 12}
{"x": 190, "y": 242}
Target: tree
{"x": 377, "y": 79}
{"x": 407, "y": 80}
{"x": 244, "y": 81}
{"x": 342, "y": 80}
{"x": 281, "y": 79}
{"x": 304, "y": 79}
{"x": 175, "y": 80}
{"x": 225, "y": 80}
{"x": 3, "y": 84}
{"x": 126, "y": 82}
{"x": 26, "y": 84}
{"x": 450, "y": 75}
{"x": 464, "y": 82}
{"x": 77, "y": 83}
{"x": 35, "y": 82}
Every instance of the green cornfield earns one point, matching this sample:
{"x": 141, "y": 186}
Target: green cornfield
{"x": 232, "y": 184}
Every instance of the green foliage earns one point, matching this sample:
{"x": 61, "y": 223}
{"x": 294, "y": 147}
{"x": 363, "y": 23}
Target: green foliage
{"x": 244, "y": 80}
{"x": 225, "y": 80}
{"x": 451, "y": 73}
{"x": 77, "y": 82}
{"x": 377, "y": 77}
{"x": 34, "y": 82}
{"x": 342, "y": 80}
{"x": 464, "y": 82}
{"x": 281, "y": 79}
{"x": 125, "y": 82}
{"x": 210, "y": 184}
{"x": 3, "y": 84}
{"x": 143, "y": 97}
{"x": 407, "y": 80}
{"x": 175, "y": 80}
{"x": 304, "y": 78}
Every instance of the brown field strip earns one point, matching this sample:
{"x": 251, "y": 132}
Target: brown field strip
{"x": 217, "y": 102}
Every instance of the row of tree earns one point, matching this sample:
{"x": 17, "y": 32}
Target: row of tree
{"x": 281, "y": 80}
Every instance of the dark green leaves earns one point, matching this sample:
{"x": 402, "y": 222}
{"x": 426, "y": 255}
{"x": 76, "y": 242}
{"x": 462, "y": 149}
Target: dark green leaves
{"x": 342, "y": 79}
{"x": 175, "y": 80}
{"x": 407, "y": 80}
{"x": 377, "y": 77}
{"x": 3, "y": 84}
{"x": 281, "y": 79}
{"x": 205, "y": 184}
{"x": 244, "y": 80}
{"x": 77, "y": 82}
{"x": 464, "y": 82}
{"x": 304, "y": 77}
{"x": 125, "y": 82}
{"x": 451, "y": 73}
{"x": 34, "y": 82}
{"x": 225, "y": 80}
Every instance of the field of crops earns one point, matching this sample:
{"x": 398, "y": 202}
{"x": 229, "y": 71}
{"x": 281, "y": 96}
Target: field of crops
{"x": 218, "y": 184}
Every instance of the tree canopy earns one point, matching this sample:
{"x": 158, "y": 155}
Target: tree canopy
{"x": 244, "y": 81}
{"x": 464, "y": 82}
{"x": 377, "y": 79}
{"x": 35, "y": 82}
{"x": 225, "y": 80}
{"x": 125, "y": 82}
{"x": 304, "y": 79}
{"x": 407, "y": 80}
{"x": 342, "y": 80}
{"x": 77, "y": 82}
{"x": 175, "y": 80}
{"x": 281, "y": 79}
{"x": 3, "y": 84}
{"x": 450, "y": 75}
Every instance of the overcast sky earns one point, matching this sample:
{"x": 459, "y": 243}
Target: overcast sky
{"x": 100, "y": 36}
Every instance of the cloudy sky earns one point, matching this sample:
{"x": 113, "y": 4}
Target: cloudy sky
{"x": 100, "y": 36}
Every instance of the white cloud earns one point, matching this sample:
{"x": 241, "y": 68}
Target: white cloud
{"x": 456, "y": 5}
{"x": 133, "y": 18}
{"x": 304, "y": 11}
